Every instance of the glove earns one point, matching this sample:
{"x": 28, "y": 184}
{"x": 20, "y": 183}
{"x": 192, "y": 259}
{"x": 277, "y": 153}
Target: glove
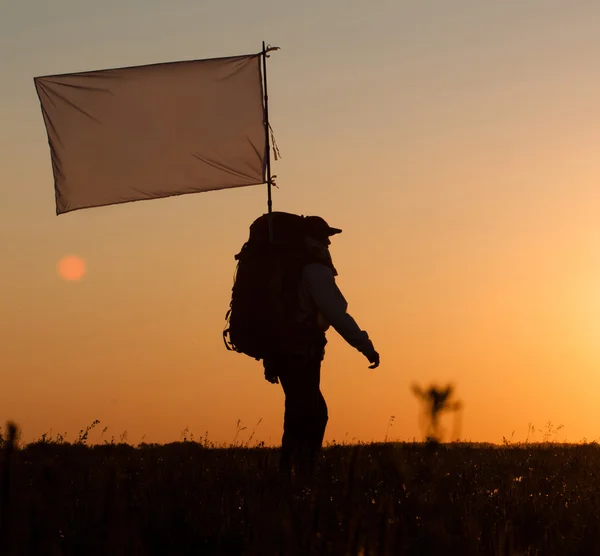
{"x": 373, "y": 358}
{"x": 270, "y": 374}
{"x": 273, "y": 379}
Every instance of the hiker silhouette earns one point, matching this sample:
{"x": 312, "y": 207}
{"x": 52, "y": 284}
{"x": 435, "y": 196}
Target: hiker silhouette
{"x": 320, "y": 304}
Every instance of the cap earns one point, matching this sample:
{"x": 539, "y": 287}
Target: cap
{"x": 317, "y": 227}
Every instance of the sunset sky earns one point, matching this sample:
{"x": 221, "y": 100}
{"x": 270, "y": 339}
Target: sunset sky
{"x": 455, "y": 143}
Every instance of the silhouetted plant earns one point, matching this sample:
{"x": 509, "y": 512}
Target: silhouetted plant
{"x": 247, "y": 444}
{"x": 9, "y": 446}
{"x": 83, "y": 434}
{"x": 184, "y": 434}
{"x": 548, "y": 436}
{"x": 239, "y": 428}
{"x": 436, "y": 401}
{"x": 389, "y": 426}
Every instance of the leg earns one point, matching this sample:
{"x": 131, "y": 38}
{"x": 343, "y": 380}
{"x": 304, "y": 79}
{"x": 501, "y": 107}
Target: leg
{"x": 305, "y": 418}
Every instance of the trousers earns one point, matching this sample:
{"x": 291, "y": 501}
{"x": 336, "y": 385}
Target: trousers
{"x": 305, "y": 417}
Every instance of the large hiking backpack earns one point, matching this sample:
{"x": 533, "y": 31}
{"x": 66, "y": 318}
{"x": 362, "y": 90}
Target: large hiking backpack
{"x": 264, "y": 300}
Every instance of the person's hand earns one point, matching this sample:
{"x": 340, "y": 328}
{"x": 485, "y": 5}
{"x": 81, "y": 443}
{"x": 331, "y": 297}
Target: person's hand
{"x": 373, "y": 358}
{"x": 270, "y": 376}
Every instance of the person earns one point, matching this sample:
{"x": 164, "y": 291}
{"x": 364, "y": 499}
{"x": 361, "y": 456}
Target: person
{"x": 320, "y": 305}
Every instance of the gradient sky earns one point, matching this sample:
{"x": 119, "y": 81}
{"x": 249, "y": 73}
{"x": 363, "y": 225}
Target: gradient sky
{"x": 454, "y": 142}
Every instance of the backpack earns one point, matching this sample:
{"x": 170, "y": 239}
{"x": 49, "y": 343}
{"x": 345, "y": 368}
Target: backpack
{"x": 264, "y": 299}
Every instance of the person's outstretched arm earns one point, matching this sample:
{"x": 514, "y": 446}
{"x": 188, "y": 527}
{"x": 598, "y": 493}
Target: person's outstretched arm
{"x": 321, "y": 285}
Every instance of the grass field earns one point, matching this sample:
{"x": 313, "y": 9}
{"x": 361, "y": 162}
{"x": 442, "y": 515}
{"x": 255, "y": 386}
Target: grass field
{"x": 190, "y": 498}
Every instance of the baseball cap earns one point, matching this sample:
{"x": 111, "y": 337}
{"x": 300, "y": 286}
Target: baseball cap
{"x": 317, "y": 227}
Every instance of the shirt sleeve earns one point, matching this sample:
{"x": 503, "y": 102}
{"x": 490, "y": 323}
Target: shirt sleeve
{"x": 321, "y": 285}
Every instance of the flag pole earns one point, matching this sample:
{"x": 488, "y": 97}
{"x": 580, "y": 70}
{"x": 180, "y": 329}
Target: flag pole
{"x": 267, "y": 143}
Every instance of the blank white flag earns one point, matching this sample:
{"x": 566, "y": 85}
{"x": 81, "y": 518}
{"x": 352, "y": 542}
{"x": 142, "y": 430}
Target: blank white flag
{"x": 154, "y": 131}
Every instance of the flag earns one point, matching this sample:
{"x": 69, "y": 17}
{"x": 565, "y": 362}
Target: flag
{"x": 153, "y": 131}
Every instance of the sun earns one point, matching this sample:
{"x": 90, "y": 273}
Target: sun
{"x": 71, "y": 268}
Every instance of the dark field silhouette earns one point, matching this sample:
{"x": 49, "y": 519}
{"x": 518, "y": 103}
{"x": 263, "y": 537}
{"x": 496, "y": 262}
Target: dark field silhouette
{"x": 409, "y": 498}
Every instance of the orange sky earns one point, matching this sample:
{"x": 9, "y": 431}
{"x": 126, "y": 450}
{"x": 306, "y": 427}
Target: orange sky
{"x": 454, "y": 143}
